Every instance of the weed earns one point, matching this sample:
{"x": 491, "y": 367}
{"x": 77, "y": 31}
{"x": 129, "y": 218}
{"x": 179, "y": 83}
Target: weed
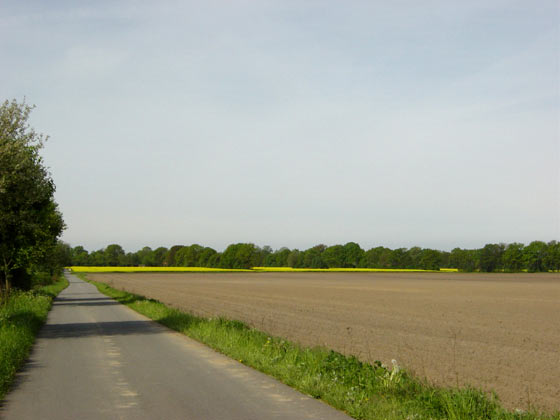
{"x": 21, "y": 317}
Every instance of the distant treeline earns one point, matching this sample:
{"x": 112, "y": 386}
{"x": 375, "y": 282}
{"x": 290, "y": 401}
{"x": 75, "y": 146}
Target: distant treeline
{"x": 537, "y": 256}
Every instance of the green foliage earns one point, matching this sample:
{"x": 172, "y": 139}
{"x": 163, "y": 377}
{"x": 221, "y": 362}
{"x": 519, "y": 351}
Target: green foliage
{"x": 513, "y": 257}
{"x": 313, "y": 257}
{"x": 552, "y": 258}
{"x": 538, "y": 256}
{"x": 333, "y": 256}
{"x": 430, "y": 259}
{"x": 159, "y": 256}
{"x": 79, "y": 256}
{"x": 113, "y": 255}
{"x": 240, "y": 256}
{"x": 169, "y": 260}
{"x": 21, "y": 317}
{"x": 188, "y": 256}
{"x": 30, "y": 222}
{"x": 535, "y": 255}
{"x": 464, "y": 259}
{"x": 491, "y": 257}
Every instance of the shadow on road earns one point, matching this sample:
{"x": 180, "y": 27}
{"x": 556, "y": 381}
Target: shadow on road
{"x": 88, "y": 329}
{"x": 84, "y": 302}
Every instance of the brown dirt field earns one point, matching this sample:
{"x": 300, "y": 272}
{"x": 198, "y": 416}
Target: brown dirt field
{"x": 493, "y": 331}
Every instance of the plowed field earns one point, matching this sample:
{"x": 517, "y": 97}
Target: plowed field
{"x": 495, "y": 331}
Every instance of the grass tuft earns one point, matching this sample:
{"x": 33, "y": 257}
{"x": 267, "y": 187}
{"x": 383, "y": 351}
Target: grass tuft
{"x": 364, "y": 391}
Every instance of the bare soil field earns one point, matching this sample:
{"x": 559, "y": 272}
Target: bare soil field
{"x": 492, "y": 331}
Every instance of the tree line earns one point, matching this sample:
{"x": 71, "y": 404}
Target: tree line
{"x": 30, "y": 222}
{"x": 537, "y": 256}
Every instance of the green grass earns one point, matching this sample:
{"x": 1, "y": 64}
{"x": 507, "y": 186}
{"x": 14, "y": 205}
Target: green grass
{"x": 362, "y": 390}
{"x": 21, "y": 317}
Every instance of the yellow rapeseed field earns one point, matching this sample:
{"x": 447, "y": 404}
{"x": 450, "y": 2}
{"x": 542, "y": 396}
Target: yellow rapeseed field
{"x": 84, "y": 269}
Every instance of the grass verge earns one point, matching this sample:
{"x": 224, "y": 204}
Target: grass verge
{"x": 362, "y": 390}
{"x": 21, "y": 317}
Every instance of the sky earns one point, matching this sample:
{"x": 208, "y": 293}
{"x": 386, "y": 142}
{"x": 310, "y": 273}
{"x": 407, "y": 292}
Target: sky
{"x": 293, "y": 123}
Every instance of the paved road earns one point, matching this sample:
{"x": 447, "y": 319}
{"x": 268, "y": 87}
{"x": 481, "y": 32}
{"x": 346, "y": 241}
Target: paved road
{"x": 97, "y": 359}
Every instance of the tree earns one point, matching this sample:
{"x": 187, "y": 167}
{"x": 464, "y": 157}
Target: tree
{"x": 333, "y": 256}
{"x": 97, "y": 258}
{"x": 552, "y": 259}
{"x": 430, "y": 259}
{"x": 188, "y": 256}
{"x": 534, "y": 256}
{"x": 399, "y": 258}
{"x": 491, "y": 257}
{"x": 353, "y": 254}
{"x": 58, "y": 256}
{"x": 113, "y": 255}
{"x": 159, "y": 255}
{"x": 294, "y": 259}
{"x": 463, "y": 259}
{"x": 414, "y": 256}
{"x": 169, "y": 260}
{"x": 207, "y": 257}
{"x": 239, "y": 256}
{"x": 371, "y": 258}
{"x": 30, "y": 222}
{"x": 79, "y": 256}
{"x": 513, "y": 257}
{"x": 146, "y": 257}
{"x": 313, "y": 257}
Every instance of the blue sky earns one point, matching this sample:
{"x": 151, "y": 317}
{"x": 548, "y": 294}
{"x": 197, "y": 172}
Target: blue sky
{"x": 290, "y": 123}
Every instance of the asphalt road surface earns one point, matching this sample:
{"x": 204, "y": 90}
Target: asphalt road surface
{"x": 97, "y": 359}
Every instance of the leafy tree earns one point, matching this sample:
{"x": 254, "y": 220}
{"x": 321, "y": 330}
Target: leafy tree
{"x": 353, "y": 254}
{"x": 414, "y": 255}
{"x": 491, "y": 257}
{"x": 372, "y": 257}
{"x": 159, "y": 256}
{"x": 313, "y": 257}
{"x": 240, "y": 255}
{"x": 552, "y": 259}
{"x": 430, "y": 260}
{"x": 146, "y": 257}
{"x": 169, "y": 260}
{"x": 188, "y": 256}
{"x": 444, "y": 258}
{"x": 30, "y": 222}
{"x": 263, "y": 254}
{"x": 399, "y": 258}
{"x": 282, "y": 257}
{"x": 513, "y": 257}
{"x": 214, "y": 260}
{"x": 58, "y": 256}
{"x": 128, "y": 259}
{"x": 385, "y": 258}
{"x": 97, "y": 258}
{"x": 113, "y": 255}
{"x": 464, "y": 259}
{"x": 534, "y": 256}
{"x": 207, "y": 258}
{"x": 333, "y": 256}
{"x": 79, "y": 256}
{"x": 294, "y": 259}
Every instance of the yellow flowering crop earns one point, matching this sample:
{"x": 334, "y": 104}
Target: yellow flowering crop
{"x": 79, "y": 269}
